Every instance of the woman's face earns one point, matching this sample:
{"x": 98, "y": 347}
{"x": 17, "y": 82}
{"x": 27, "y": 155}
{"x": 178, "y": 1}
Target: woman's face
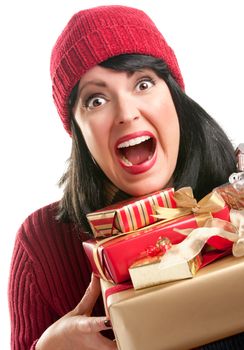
{"x": 130, "y": 126}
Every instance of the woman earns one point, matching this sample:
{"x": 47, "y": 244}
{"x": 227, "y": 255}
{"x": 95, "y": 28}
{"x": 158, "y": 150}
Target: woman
{"x": 120, "y": 95}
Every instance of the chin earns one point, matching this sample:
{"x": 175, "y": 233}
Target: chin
{"x": 145, "y": 189}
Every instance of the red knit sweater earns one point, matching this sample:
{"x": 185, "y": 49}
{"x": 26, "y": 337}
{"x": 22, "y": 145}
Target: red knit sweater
{"x": 48, "y": 277}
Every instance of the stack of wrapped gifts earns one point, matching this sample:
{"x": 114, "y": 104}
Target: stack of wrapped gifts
{"x": 172, "y": 268}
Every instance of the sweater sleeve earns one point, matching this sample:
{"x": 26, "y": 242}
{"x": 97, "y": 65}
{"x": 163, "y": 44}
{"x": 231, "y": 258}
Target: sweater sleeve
{"x": 30, "y": 315}
{"x": 48, "y": 276}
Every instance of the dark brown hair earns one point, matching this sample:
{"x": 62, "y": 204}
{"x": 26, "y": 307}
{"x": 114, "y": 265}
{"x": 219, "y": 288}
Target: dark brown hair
{"x": 206, "y": 156}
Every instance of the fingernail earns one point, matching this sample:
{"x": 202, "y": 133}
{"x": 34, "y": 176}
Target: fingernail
{"x": 107, "y": 323}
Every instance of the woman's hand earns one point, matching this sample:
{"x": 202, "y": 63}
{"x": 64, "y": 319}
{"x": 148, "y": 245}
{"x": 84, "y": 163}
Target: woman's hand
{"x": 77, "y": 330}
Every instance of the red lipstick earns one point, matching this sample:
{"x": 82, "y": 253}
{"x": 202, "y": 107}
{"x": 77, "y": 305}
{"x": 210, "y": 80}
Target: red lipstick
{"x": 136, "y": 152}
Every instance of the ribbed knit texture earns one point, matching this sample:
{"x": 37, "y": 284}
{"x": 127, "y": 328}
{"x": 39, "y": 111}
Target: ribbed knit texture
{"x": 94, "y": 35}
{"x": 49, "y": 275}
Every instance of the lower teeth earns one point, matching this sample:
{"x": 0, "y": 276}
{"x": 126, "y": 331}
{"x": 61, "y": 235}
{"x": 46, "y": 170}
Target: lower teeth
{"x": 126, "y": 161}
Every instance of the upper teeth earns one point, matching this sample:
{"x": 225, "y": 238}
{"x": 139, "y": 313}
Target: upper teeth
{"x": 133, "y": 142}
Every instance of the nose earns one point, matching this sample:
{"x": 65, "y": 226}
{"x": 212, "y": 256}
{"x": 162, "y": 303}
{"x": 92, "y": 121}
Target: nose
{"x": 126, "y": 111}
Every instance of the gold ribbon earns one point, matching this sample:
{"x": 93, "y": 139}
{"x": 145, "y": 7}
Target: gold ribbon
{"x": 97, "y": 259}
{"x": 237, "y": 218}
{"x": 196, "y": 238}
{"x": 118, "y": 237}
{"x": 187, "y": 204}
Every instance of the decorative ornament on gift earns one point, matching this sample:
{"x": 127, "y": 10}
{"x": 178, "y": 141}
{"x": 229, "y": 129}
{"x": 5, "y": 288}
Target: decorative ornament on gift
{"x": 237, "y": 180}
{"x": 163, "y": 244}
{"x": 233, "y": 191}
{"x": 153, "y": 253}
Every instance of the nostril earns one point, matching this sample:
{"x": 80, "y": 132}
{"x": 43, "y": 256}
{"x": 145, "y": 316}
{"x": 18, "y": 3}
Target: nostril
{"x": 129, "y": 119}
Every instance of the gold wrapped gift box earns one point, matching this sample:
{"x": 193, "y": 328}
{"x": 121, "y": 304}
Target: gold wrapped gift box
{"x": 180, "y": 315}
{"x": 149, "y": 272}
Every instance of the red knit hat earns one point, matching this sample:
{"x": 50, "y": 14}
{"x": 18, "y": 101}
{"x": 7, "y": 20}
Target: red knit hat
{"x": 94, "y": 35}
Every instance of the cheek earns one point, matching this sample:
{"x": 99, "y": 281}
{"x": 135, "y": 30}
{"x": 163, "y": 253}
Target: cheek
{"x": 96, "y": 135}
{"x": 91, "y": 138}
{"x": 167, "y": 121}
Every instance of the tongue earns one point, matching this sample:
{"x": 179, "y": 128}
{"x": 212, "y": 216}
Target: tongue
{"x": 138, "y": 154}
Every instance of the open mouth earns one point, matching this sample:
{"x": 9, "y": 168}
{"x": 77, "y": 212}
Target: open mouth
{"x": 136, "y": 151}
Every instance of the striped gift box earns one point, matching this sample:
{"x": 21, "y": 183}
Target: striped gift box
{"x": 129, "y": 215}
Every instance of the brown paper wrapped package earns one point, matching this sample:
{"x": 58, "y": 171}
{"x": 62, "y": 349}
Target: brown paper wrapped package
{"x": 181, "y": 315}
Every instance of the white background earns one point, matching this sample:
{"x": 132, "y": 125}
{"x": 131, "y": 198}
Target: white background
{"x": 207, "y": 37}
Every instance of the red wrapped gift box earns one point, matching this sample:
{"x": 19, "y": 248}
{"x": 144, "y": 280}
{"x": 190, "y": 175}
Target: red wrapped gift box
{"x": 111, "y": 258}
{"x": 129, "y": 215}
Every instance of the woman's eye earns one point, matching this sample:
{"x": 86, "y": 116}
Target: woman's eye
{"x": 94, "y": 102}
{"x": 144, "y": 84}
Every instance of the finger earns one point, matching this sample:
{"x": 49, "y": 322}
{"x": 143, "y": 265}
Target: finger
{"x": 93, "y": 324}
{"x": 97, "y": 340}
{"x": 89, "y": 299}
{"x": 106, "y": 343}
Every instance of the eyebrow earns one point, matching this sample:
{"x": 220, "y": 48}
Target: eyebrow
{"x": 98, "y": 83}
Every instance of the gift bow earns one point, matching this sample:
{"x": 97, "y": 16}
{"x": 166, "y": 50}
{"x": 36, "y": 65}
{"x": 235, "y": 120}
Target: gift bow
{"x": 237, "y": 218}
{"x": 196, "y": 238}
{"x": 187, "y": 204}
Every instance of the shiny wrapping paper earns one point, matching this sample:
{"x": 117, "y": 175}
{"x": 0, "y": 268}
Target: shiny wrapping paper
{"x": 129, "y": 215}
{"x": 147, "y": 272}
{"x": 166, "y": 262}
{"x": 111, "y": 259}
{"x": 179, "y": 315}
{"x": 233, "y": 194}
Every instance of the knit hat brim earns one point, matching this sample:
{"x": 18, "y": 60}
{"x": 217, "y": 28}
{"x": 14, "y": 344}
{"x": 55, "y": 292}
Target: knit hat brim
{"x": 92, "y": 36}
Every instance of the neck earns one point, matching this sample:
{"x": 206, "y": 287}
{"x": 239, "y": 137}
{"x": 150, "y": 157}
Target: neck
{"x": 114, "y": 194}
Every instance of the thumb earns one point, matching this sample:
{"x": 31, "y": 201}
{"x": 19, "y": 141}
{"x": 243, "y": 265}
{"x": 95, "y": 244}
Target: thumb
{"x": 89, "y": 299}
